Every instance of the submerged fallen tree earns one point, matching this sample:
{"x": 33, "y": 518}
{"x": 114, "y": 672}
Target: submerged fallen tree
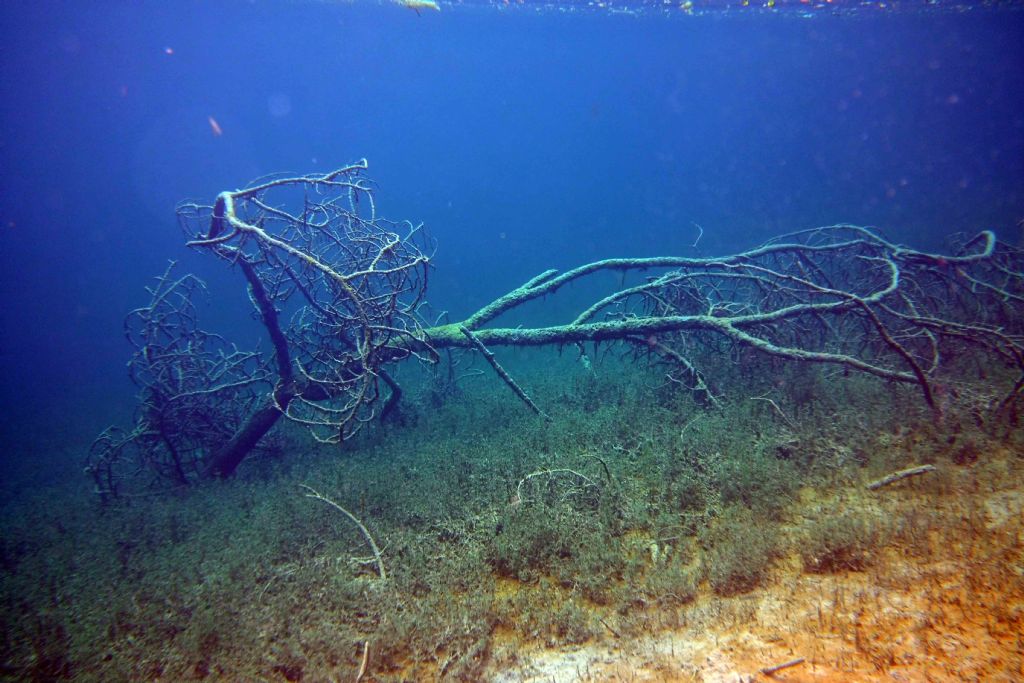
{"x": 340, "y": 293}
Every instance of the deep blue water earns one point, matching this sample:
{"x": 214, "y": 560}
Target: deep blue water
{"x": 522, "y": 139}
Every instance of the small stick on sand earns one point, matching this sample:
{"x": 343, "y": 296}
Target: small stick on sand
{"x": 771, "y": 670}
{"x": 902, "y": 474}
{"x": 605, "y": 624}
{"x": 365, "y": 661}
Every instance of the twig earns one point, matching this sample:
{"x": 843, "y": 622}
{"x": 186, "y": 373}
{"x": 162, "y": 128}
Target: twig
{"x": 531, "y": 475}
{"x": 902, "y": 474}
{"x": 777, "y": 409}
{"x": 365, "y": 661}
{"x": 313, "y": 493}
{"x": 699, "y": 235}
{"x": 489, "y": 357}
{"x": 688, "y": 425}
{"x": 696, "y": 384}
{"x": 604, "y": 465}
{"x": 605, "y": 624}
{"x": 273, "y": 578}
{"x": 770, "y": 670}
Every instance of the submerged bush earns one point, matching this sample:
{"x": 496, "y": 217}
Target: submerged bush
{"x": 671, "y": 582}
{"x": 758, "y": 481}
{"x": 571, "y": 624}
{"x": 842, "y": 543}
{"x": 740, "y": 551}
{"x": 535, "y": 540}
{"x": 528, "y": 541}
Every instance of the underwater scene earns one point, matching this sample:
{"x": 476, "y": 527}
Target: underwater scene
{"x": 511, "y": 341}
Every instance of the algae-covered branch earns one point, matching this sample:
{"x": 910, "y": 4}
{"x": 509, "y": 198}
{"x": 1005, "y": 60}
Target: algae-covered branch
{"x": 340, "y": 292}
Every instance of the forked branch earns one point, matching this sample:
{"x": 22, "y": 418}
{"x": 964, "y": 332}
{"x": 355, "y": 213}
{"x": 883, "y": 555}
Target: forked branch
{"x": 339, "y": 290}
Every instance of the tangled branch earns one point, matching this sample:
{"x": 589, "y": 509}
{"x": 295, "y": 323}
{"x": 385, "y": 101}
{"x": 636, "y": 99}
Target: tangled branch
{"x": 338, "y": 290}
{"x": 840, "y": 295}
{"x": 312, "y": 249}
{"x": 195, "y": 390}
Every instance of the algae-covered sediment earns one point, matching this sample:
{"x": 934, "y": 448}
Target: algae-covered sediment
{"x": 636, "y": 534}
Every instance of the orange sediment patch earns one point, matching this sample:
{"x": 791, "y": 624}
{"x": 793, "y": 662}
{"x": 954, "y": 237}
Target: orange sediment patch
{"x": 943, "y": 601}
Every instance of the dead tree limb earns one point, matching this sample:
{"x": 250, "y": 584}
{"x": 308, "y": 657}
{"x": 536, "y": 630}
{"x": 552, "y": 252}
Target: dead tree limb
{"x": 196, "y": 392}
{"x": 338, "y": 290}
{"x": 313, "y": 245}
{"x": 900, "y": 476}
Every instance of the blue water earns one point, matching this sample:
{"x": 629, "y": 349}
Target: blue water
{"x": 524, "y": 138}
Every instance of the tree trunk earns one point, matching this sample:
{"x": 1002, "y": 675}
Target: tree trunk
{"x": 225, "y": 461}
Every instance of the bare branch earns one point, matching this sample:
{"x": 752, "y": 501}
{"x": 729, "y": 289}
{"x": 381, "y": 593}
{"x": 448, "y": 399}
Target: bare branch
{"x": 339, "y": 291}
{"x": 900, "y": 476}
{"x": 316, "y": 495}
